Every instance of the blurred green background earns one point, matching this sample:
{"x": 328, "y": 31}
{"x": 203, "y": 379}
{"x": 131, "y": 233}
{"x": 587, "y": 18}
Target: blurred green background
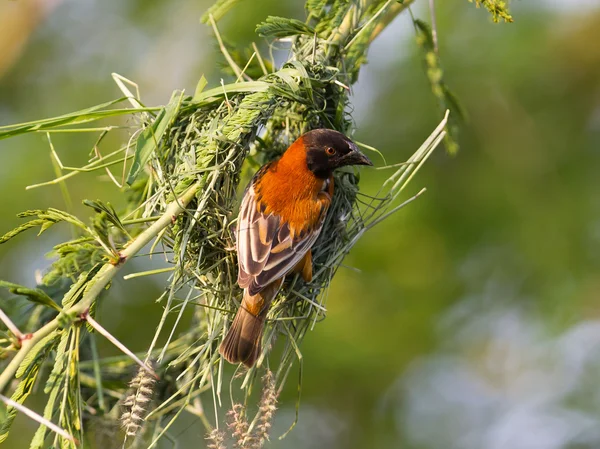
{"x": 474, "y": 322}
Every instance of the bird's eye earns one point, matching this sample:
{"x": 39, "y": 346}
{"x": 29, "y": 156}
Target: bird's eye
{"x": 330, "y": 151}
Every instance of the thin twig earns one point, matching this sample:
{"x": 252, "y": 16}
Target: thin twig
{"x": 97, "y": 373}
{"x": 236, "y": 69}
{"x": 92, "y": 322}
{"x": 261, "y": 62}
{"x": 58, "y": 172}
{"x": 149, "y": 273}
{"x": 33, "y": 415}
{"x": 10, "y": 325}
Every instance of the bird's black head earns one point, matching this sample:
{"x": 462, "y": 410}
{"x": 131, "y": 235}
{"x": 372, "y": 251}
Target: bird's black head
{"x": 327, "y": 150}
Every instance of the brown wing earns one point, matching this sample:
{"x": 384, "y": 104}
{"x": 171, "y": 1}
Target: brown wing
{"x": 266, "y": 249}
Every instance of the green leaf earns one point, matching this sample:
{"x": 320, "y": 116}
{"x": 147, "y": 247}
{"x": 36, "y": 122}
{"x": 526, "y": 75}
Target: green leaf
{"x": 316, "y": 7}
{"x": 58, "y": 370}
{"x": 210, "y": 95}
{"x": 37, "y": 354}
{"x": 40, "y": 435}
{"x": 59, "y": 215}
{"x": 149, "y": 139}
{"x": 24, "y": 227}
{"x": 45, "y": 226}
{"x": 28, "y": 370}
{"x": 32, "y": 294}
{"x": 297, "y": 69}
{"x": 74, "y": 257}
{"x": 78, "y": 289}
{"x": 45, "y": 219}
{"x": 287, "y": 78}
{"x": 74, "y": 118}
{"x": 200, "y": 87}
{"x": 111, "y": 214}
{"x": 282, "y": 27}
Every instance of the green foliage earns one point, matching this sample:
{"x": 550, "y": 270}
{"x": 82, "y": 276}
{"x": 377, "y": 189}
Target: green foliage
{"x": 45, "y": 219}
{"x": 329, "y": 13}
{"x": 73, "y": 258}
{"x": 78, "y": 255}
{"x": 107, "y": 212}
{"x": 53, "y": 389}
{"x": 78, "y": 289}
{"x": 37, "y": 441}
{"x": 282, "y": 27}
{"x": 28, "y": 372}
{"x": 34, "y": 295}
{"x": 497, "y": 8}
{"x": 64, "y": 379}
{"x": 58, "y": 370}
{"x": 74, "y": 118}
{"x": 200, "y": 87}
{"x": 316, "y": 7}
{"x": 150, "y": 138}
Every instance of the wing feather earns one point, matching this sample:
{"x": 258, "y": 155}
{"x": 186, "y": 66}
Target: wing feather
{"x": 260, "y": 250}
{"x": 267, "y": 250}
{"x": 282, "y": 246}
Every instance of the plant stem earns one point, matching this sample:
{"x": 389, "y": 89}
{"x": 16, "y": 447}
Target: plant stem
{"x": 99, "y": 282}
{"x": 388, "y": 17}
{"x": 98, "y": 328}
{"x": 33, "y": 415}
{"x": 10, "y": 325}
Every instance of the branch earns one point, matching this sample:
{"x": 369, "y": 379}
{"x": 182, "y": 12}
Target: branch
{"x": 99, "y": 282}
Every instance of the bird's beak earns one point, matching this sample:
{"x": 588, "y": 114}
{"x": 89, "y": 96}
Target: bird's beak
{"x": 355, "y": 157}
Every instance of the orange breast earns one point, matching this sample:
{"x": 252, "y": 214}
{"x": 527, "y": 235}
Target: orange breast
{"x": 289, "y": 189}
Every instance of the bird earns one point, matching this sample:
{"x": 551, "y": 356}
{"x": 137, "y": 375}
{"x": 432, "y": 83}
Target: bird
{"x": 281, "y": 216}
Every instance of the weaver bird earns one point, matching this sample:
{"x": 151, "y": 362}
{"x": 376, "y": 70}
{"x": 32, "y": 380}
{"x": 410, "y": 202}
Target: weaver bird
{"x": 281, "y": 216}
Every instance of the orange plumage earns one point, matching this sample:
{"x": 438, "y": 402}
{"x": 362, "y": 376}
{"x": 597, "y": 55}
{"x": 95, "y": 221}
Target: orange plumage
{"x": 289, "y": 189}
{"x": 281, "y": 216}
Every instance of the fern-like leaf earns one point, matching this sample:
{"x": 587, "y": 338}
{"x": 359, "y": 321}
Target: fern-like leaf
{"x": 282, "y": 27}
{"x": 32, "y": 294}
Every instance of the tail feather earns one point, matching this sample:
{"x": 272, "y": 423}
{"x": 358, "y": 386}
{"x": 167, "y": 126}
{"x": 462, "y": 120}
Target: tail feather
{"x": 242, "y": 344}
{"x": 243, "y": 341}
